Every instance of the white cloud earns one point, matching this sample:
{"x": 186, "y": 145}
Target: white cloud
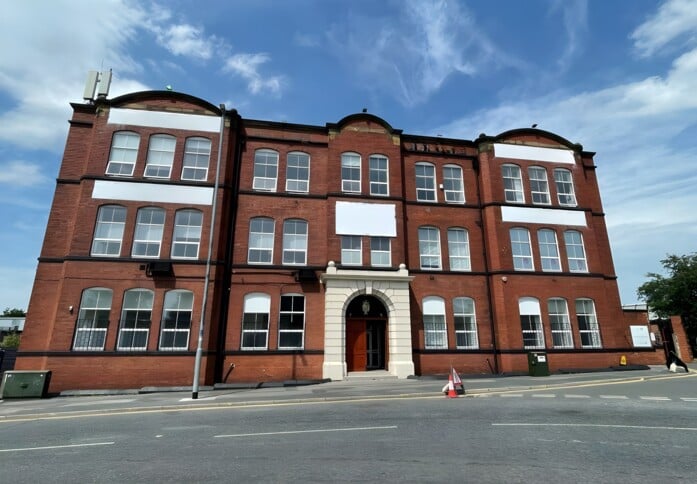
{"x": 247, "y": 66}
{"x": 675, "y": 20}
{"x": 21, "y": 173}
{"x": 186, "y": 40}
{"x": 575, "y": 16}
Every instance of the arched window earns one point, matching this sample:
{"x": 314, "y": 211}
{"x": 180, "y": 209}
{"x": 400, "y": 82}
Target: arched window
{"x": 379, "y": 175}
{"x": 587, "y": 323}
{"x": 298, "y": 172}
{"x": 176, "y": 320}
{"x": 435, "y": 331}
{"x": 549, "y": 250}
{"x": 459, "y": 249}
{"x": 512, "y": 184}
{"x": 108, "y": 232}
{"x": 565, "y": 187}
{"x": 453, "y": 188}
{"x": 429, "y": 248}
{"x": 351, "y": 173}
{"x": 93, "y": 319}
{"x": 197, "y": 155}
{"x": 265, "y": 170}
{"x": 425, "y": 182}
{"x": 559, "y": 323}
{"x": 160, "y": 156}
{"x": 295, "y": 242}
{"x": 575, "y": 251}
{"x": 147, "y": 239}
{"x": 465, "y": 323}
{"x": 539, "y": 188}
{"x": 123, "y": 154}
{"x": 261, "y": 233}
{"x": 255, "y": 321}
{"x": 186, "y": 238}
{"x": 531, "y": 323}
{"x": 136, "y": 314}
{"x": 521, "y": 249}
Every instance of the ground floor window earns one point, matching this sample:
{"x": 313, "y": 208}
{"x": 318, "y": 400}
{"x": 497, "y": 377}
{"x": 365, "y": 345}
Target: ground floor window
{"x": 93, "y": 319}
{"x": 587, "y": 323}
{"x": 531, "y": 323}
{"x": 135, "y": 320}
{"x": 435, "y": 333}
{"x": 465, "y": 323}
{"x": 559, "y": 323}
{"x": 176, "y": 320}
{"x": 291, "y": 321}
{"x": 255, "y": 321}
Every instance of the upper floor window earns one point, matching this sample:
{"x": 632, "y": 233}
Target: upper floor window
{"x": 565, "y": 187}
{"x": 176, "y": 320}
{"x": 351, "y": 250}
{"x": 197, "y": 154}
{"x": 575, "y": 252}
{"x": 265, "y": 170}
{"x": 291, "y": 322}
{"x": 452, "y": 184}
{"x": 459, "y": 249}
{"x": 539, "y": 188}
{"x": 559, "y": 323}
{"x": 531, "y": 323}
{"x": 294, "y": 242}
{"x": 298, "y": 172}
{"x": 351, "y": 173}
{"x": 93, "y": 319}
{"x": 255, "y": 321}
{"x": 148, "y": 235}
{"x": 521, "y": 250}
{"x": 136, "y": 314}
{"x": 124, "y": 151}
{"x": 465, "y": 323}
{"x": 429, "y": 248}
{"x": 187, "y": 234}
{"x": 512, "y": 184}
{"x": 380, "y": 252}
{"x": 160, "y": 156}
{"x": 261, "y": 233}
{"x": 108, "y": 233}
{"x": 549, "y": 251}
{"x": 587, "y": 323}
{"x": 425, "y": 182}
{"x": 435, "y": 332}
{"x": 378, "y": 175}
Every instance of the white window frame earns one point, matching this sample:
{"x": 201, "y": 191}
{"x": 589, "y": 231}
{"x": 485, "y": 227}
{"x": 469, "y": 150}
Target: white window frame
{"x": 351, "y": 173}
{"x": 351, "y": 250}
{"x": 259, "y": 305}
{"x": 512, "y": 183}
{"x": 160, "y": 156}
{"x": 197, "y": 156}
{"x": 297, "y": 172}
{"x": 177, "y": 316}
{"x": 465, "y": 322}
{"x": 265, "y": 170}
{"x": 288, "y": 316}
{"x": 425, "y": 178}
{"x": 531, "y": 323}
{"x": 435, "y": 327}
{"x": 549, "y": 250}
{"x": 187, "y": 234}
{"x": 575, "y": 251}
{"x": 123, "y": 154}
{"x": 459, "y": 249}
{"x": 379, "y": 175}
{"x": 108, "y": 231}
{"x": 148, "y": 232}
{"x": 564, "y": 182}
{"x": 453, "y": 185}
{"x": 559, "y": 323}
{"x": 429, "y": 248}
{"x": 380, "y": 252}
{"x": 294, "y": 242}
{"x": 539, "y": 186}
{"x": 140, "y": 302}
{"x": 521, "y": 249}
{"x": 93, "y": 319}
{"x": 588, "y": 328}
{"x": 261, "y": 240}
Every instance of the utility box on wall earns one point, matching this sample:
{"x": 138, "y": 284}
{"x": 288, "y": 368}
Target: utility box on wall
{"x": 537, "y": 364}
{"x": 25, "y": 384}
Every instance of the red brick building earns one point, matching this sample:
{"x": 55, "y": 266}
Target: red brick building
{"x": 327, "y": 250}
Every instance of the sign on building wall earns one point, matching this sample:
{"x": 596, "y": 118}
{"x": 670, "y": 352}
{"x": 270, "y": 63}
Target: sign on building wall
{"x": 640, "y": 337}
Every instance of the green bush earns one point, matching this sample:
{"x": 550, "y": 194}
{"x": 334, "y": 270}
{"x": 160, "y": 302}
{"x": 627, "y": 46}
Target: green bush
{"x": 10, "y": 341}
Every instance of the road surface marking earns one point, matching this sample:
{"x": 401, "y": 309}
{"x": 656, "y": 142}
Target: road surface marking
{"x": 662, "y": 399}
{"x": 608, "y": 426}
{"x": 614, "y": 397}
{"x": 576, "y": 396}
{"x": 688, "y": 399}
{"x": 289, "y": 432}
{"x": 543, "y": 395}
{"x": 204, "y": 399}
{"x": 51, "y": 447}
{"x": 511, "y": 395}
{"x": 100, "y": 402}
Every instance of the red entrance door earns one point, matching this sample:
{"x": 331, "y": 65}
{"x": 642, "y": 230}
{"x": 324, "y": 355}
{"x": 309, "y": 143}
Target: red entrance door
{"x": 356, "y": 354}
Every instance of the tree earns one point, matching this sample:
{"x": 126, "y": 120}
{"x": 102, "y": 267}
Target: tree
{"x": 675, "y": 294}
{"x": 14, "y": 312}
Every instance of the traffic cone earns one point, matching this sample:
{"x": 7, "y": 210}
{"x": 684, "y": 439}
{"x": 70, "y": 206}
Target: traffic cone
{"x": 451, "y": 387}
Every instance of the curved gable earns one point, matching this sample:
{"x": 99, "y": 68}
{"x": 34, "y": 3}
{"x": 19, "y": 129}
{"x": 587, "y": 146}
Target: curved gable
{"x": 165, "y": 100}
{"x": 363, "y": 122}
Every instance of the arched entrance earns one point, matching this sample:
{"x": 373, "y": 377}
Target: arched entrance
{"x": 366, "y": 334}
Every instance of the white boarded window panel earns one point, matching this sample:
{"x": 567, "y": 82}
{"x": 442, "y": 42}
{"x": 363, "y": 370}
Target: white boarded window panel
{"x": 534, "y": 153}
{"x": 373, "y": 219}
{"x": 159, "y": 119}
{"x": 151, "y": 192}
{"x": 543, "y": 216}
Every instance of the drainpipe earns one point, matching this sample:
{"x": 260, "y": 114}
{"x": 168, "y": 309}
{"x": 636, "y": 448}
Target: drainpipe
{"x": 199, "y": 346}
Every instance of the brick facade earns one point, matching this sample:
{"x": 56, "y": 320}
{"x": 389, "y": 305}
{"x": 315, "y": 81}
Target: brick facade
{"x": 278, "y": 318}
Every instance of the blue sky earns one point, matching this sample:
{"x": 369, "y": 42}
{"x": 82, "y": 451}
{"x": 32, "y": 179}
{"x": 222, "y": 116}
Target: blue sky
{"x": 619, "y": 77}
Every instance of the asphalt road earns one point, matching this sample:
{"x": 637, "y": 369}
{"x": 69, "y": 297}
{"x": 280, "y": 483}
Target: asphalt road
{"x": 570, "y": 430}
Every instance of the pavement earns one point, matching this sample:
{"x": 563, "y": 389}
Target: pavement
{"x": 363, "y": 386}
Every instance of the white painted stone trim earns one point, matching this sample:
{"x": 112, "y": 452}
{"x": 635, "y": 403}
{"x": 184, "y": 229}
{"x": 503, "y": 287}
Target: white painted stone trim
{"x": 152, "y": 192}
{"x": 165, "y": 120}
{"x": 533, "y": 153}
{"x": 543, "y": 216}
